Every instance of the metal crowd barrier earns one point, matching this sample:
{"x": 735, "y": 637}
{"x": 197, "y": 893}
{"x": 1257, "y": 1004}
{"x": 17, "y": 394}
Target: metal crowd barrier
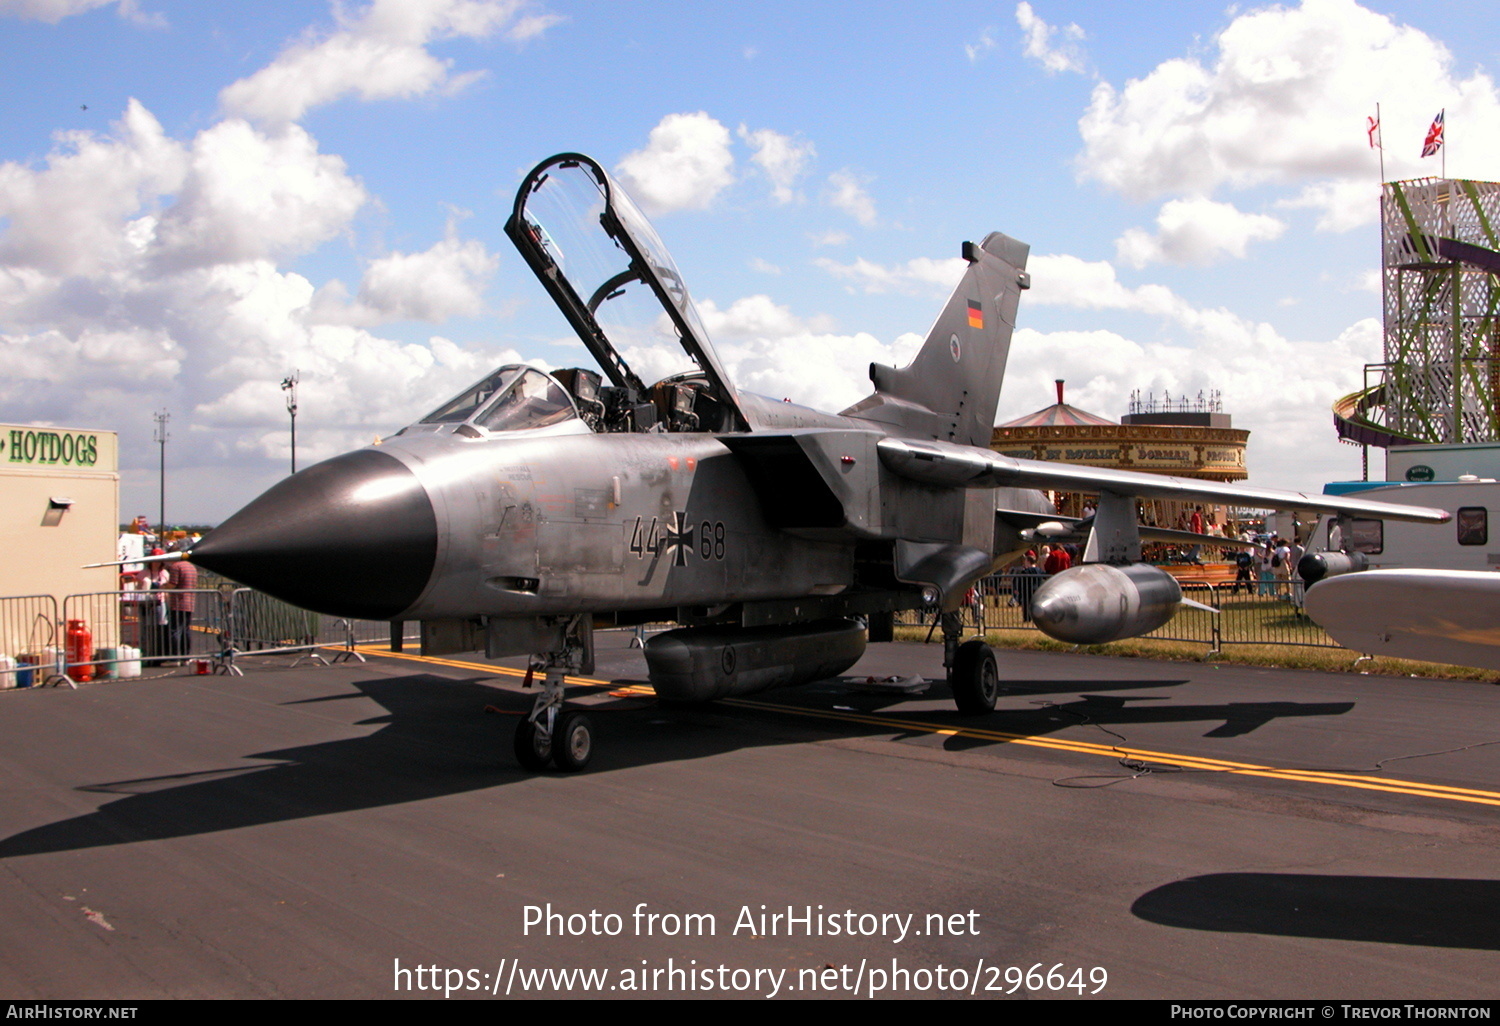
{"x": 28, "y": 640}
{"x": 135, "y": 630}
{"x": 1265, "y": 613}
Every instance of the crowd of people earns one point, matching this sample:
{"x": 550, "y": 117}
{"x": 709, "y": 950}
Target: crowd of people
{"x": 1034, "y": 569}
{"x": 162, "y": 597}
{"x": 1275, "y": 563}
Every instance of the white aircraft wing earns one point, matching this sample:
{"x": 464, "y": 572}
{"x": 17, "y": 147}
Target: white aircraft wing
{"x": 1438, "y": 616}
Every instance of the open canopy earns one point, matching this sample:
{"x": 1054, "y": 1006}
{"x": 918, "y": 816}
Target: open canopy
{"x": 607, "y": 270}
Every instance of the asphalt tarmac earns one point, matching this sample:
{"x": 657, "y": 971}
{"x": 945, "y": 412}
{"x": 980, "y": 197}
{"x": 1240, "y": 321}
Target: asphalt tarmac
{"x": 1119, "y": 828}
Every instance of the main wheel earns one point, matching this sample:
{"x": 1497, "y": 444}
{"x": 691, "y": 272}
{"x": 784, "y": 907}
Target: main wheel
{"x": 533, "y": 746}
{"x": 976, "y": 678}
{"x": 574, "y": 743}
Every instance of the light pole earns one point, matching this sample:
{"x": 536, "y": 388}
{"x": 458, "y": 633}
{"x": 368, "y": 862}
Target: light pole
{"x": 289, "y": 386}
{"x": 160, "y": 438}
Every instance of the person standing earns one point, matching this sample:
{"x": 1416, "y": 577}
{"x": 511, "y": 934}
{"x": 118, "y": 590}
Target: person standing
{"x": 153, "y": 612}
{"x": 1242, "y": 564}
{"x": 182, "y": 576}
{"x": 1268, "y": 567}
{"x": 1024, "y": 583}
{"x": 1283, "y": 564}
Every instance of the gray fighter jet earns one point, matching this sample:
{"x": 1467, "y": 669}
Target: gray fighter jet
{"x": 533, "y": 508}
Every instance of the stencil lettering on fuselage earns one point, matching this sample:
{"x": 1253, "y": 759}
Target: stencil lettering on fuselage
{"x": 676, "y": 540}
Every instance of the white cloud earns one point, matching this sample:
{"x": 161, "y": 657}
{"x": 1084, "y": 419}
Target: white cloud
{"x": 817, "y": 369}
{"x": 1285, "y": 101}
{"x": 847, "y": 193}
{"x": 1196, "y": 231}
{"x": 1342, "y": 204}
{"x": 142, "y": 269}
{"x": 1064, "y": 55}
{"x": 768, "y": 350}
{"x": 782, "y": 157}
{"x": 920, "y": 276}
{"x": 763, "y": 266}
{"x": 531, "y": 26}
{"x": 1065, "y": 280}
{"x": 447, "y": 280}
{"x": 378, "y": 52}
{"x": 757, "y": 317}
{"x": 54, "y": 11}
{"x": 685, "y": 164}
{"x": 67, "y": 218}
{"x": 986, "y": 43}
{"x": 92, "y": 358}
{"x": 247, "y": 196}
{"x": 830, "y": 238}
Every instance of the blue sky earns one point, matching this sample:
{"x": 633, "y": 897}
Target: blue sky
{"x": 259, "y": 188}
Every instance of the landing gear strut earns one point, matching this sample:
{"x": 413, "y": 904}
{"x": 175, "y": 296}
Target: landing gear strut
{"x": 549, "y": 734}
{"x": 973, "y": 673}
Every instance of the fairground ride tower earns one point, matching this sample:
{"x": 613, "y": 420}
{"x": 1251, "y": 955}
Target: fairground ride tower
{"x": 1439, "y": 382}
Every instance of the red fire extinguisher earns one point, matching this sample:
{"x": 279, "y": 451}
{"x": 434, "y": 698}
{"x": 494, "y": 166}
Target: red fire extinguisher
{"x": 80, "y": 648}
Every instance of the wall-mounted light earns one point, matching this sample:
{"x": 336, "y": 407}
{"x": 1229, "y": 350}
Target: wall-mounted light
{"x": 56, "y": 507}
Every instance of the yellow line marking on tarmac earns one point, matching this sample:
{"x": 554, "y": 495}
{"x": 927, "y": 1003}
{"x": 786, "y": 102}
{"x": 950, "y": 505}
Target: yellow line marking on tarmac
{"x": 1205, "y": 764}
{"x": 488, "y": 669}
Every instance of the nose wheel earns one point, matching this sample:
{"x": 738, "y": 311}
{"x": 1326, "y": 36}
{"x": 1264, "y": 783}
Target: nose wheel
{"x": 550, "y": 736}
{"x": 533, "y": 745}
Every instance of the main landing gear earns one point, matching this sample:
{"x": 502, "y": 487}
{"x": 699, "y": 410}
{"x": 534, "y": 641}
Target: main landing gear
{"x": 550, "y": 735}
{"x": 973, "y": 673}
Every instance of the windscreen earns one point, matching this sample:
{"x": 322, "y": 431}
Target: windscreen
{"x": 462, "y": 406}
{"x": 534, "y": 400}
{"x": 512, "y": 398}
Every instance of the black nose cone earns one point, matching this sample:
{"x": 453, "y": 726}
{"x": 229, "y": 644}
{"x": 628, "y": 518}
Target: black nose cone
{"x": 353, "y": 536}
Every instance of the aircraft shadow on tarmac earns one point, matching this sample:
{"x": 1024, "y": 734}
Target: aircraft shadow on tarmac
{"x": 435, "y": 742}
{"x": 1044, "y": 715}
{"x": 1424, "y": 911}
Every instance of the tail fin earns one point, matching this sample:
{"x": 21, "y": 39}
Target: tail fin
{"x": 950, "y": 391}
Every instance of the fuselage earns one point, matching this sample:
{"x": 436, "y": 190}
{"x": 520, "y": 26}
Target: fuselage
{"x": 582, "y": 521}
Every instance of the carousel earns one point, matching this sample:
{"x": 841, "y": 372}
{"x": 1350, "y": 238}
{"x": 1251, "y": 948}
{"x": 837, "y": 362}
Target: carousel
{"x": 1178, "y": 437}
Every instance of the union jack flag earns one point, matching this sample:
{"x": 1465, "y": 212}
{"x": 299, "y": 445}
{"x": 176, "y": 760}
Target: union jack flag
{"x": 1434, "y": 140}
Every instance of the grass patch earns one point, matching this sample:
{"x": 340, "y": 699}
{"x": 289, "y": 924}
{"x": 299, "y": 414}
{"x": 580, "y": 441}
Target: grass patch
{"x": 1293, "y": 657}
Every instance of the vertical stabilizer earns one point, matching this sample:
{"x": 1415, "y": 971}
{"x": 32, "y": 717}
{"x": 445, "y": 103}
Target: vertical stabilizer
{"x": 950, "y": 391}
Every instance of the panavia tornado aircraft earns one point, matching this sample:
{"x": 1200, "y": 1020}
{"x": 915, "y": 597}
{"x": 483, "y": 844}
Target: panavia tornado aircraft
{"x": 533, "y": 508}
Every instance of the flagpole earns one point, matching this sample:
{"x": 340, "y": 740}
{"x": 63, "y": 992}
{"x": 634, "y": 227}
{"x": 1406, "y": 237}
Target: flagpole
{"x": 1445, "y": 142}
{"x": 1380, "y": 133}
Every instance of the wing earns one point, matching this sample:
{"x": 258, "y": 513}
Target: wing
{"x": 1440, "y": 616}
{"x": 942, "y": 463}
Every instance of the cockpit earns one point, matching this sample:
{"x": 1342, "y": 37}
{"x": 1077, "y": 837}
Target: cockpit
{"x": 513, "y": 398}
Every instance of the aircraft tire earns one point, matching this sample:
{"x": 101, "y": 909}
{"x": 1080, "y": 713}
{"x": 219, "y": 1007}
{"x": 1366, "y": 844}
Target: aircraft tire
{"x": 533, "y": 747}
{"x": 976, "y": 678}
{"x": 573, "y": 744}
